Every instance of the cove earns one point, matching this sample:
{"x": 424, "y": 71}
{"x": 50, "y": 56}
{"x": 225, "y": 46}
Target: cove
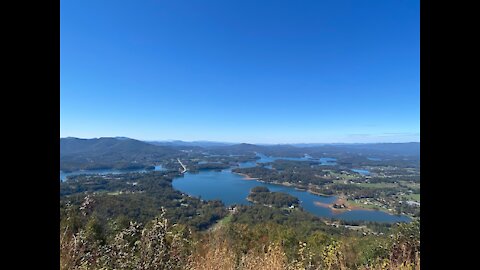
{"x": 232, "y": 188}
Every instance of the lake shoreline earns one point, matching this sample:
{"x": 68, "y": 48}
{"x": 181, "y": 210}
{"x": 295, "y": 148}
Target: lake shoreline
{"x": 285, "y": 184}
{"x": 246, "y": 177}
{"x": 339, "y": 201}
{"x": 210, "y": 178}
{"x": 342, "y": 201}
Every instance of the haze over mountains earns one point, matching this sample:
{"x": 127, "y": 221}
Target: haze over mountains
{"x": 121, "y": 150}
{"x": 193, "y": 143}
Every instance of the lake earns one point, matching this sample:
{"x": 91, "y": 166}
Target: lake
{"x": 233, "y": 189}
{"x": 361, "y": 171}
{"x": 266, "y": 159}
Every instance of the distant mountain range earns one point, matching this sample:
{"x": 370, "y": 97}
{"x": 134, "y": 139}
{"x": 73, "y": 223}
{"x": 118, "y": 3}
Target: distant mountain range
{"x": 399, "y": 149}
{"x": 122, "y": 152}
{"x": 194, "y": 143}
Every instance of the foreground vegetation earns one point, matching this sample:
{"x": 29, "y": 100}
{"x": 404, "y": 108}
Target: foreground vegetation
{"x": 161, "y": 245}
{"x": 138, "y": 221}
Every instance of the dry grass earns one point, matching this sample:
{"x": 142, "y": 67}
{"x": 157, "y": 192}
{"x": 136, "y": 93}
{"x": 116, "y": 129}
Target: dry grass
{"x": 212, "y": 258}
{"x": 214, "y": 255}
{"x": 163, "y": 246}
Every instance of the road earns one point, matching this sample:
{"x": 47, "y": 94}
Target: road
{"x": 184, "y": 168}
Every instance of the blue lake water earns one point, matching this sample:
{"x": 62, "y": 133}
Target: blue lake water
{"x": 206, "y": 162}
{"x": 266, "y": 159}
{"x": 321, "y": 161}
{"x": 362, "y": 172}
{"x": 233, "y": 189}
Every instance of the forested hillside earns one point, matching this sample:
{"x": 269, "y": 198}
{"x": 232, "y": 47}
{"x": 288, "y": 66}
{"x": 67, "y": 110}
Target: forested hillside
{"x": 106, "y": 153}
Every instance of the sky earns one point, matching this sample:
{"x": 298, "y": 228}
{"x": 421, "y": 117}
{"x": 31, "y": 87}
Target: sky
{"x": 332, "y": 71}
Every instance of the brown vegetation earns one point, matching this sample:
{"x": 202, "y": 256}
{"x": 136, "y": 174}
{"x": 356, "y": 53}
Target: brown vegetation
{"x": 160, "y": 245}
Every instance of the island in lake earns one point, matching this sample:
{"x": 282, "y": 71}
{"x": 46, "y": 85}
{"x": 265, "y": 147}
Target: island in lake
{"x": 262, "y": 195}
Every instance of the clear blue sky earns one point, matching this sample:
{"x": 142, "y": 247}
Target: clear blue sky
{"x": 240, "y": 70}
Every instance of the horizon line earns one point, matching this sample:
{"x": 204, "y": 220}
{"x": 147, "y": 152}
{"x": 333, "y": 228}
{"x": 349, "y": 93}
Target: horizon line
{"x": 226, "y": 142}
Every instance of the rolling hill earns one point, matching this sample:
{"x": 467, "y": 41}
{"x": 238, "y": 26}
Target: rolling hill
{"x": 102, "y": 153}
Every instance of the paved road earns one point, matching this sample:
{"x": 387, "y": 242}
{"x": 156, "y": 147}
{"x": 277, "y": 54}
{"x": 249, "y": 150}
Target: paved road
{"x": 184, "y": 168}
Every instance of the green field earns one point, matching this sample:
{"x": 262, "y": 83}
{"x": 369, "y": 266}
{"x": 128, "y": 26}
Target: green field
{"x": 226, "y": 219}
{"x": 413, "y": 197}
{"x": 411, "y": 185}
{"x": 377, "y": 185}
{"x": 366, "y": 206}
{"x": 222, "y": 222}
